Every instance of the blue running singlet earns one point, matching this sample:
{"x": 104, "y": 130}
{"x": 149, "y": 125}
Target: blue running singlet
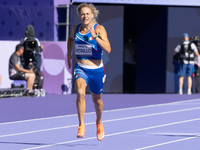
{"x": 85, "y": 45}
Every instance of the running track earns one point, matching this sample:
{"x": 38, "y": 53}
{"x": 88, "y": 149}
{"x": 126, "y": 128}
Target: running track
{"x": 131, "y": 122}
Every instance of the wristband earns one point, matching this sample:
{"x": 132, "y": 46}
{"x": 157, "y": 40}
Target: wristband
{"x": 96, "y": 36}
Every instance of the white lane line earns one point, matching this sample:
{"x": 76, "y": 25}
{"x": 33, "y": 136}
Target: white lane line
{"x": 38, "y": 119}
{"x": 154, "y": 114}
{"x": 36, "y": 131}
{"x": 113, "y": 134}
{"x": 160, "y": 144}
{"x": 111, "y": 120}
{"x": 156, "y": 105}
{"x": 175, "y": 134}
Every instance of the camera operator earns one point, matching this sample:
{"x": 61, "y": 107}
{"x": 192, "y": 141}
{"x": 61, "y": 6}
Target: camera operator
{"x": 17, "y": 72}
{"x": 187, "y": 51}
{"x": 29, "y": 33}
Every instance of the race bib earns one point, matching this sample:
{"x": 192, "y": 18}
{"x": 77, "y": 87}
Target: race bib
{"x": 83, "y": 49}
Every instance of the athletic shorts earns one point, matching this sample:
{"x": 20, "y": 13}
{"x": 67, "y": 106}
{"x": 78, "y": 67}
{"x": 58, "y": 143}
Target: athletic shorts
{"x": 18, "y": 76}
{"x": 185, "y": 69}
{"x": 93, "y": 75}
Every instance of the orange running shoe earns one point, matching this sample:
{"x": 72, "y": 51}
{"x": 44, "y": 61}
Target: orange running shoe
{"x": 81, "y": 131}
{"x": 100, "y": 132}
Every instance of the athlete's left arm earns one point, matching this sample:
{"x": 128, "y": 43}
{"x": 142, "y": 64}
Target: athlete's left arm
{"x": 102, "y": 39}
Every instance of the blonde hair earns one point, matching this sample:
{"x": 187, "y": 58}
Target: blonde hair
{"x": 93, "y": 9}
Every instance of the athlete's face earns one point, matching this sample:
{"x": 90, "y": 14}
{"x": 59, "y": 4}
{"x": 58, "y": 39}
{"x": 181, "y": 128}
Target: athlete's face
{"x": 85, "y": 16}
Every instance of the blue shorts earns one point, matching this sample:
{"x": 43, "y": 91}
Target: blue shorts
{"x": 94, "y": 77}
{"x": 185, "y": 69}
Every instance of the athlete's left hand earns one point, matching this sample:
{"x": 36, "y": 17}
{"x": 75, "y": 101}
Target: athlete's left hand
{"x": 91, "y": 28}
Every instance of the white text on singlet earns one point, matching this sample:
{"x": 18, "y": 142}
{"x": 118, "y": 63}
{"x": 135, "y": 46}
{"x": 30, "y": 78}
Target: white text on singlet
{"x": 83, "y": 49}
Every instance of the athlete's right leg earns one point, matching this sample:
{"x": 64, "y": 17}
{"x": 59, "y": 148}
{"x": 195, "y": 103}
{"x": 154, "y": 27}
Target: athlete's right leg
{"x": 80, "y": 104}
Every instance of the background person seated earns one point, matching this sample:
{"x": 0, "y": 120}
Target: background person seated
{"x": 17, "y": 72}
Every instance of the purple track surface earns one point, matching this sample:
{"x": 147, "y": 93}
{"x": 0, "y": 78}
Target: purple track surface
{"x": 131, "y": 122}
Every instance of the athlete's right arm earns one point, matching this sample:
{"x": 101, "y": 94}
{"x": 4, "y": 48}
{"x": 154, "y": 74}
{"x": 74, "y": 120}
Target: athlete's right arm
{"x": 70, "y": 44}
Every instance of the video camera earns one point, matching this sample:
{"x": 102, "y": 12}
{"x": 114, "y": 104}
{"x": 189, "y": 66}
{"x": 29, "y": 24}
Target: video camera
{"x": 30, "y": 51}
{"x": 31, "y": 44}
{"x": 31, "y": 48}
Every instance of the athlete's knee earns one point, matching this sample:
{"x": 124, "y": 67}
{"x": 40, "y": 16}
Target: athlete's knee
{"x": 98, "y": 101}
{"x": 96, "y": 98}
{"x": 81, "y": 93}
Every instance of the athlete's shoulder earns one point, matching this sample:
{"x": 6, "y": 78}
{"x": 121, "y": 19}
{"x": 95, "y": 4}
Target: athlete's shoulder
{"x": 74, "y": 27}
{"x": 71, "y": 36}
{"x": 100, "y": 28}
